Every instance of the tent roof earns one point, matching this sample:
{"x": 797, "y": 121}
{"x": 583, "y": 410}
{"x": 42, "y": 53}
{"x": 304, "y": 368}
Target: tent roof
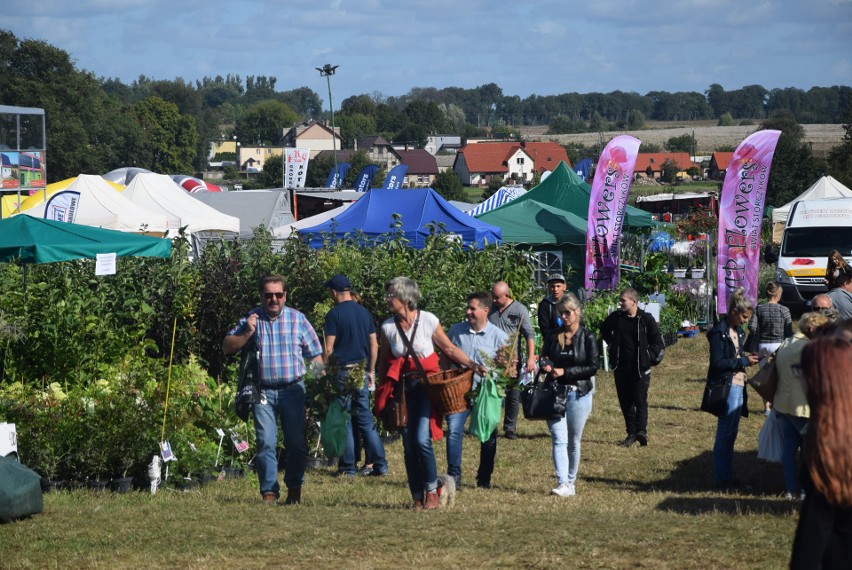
{"x": 373, "y": 216}
{"x": 825, "y": 187}
{"x": 267, "y": 208}
{"x": 35, "y": 240}
{"x": 283, "y": 232}
{"x": 502, "y": 196}
{"x": 160, "y": 193}
{"x": 100, "y": 205}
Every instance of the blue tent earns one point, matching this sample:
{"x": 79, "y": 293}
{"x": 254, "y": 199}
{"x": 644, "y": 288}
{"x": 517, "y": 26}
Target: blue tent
{"x": 372, "y": 216}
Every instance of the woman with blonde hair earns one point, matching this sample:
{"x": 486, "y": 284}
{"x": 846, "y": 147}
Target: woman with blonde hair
{"x": 572, "y": 360}
{"x": 824, "y": 534}
{"x": 728, "y": 362}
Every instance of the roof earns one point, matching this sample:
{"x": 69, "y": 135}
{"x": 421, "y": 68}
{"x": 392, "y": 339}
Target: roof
{"x": 493, "y": 156}
{"x": 268, "y": 208}
{"x": 370, "y": 142}
{"x": 419, "y": 161}
{"x": 656, "y": 160}
{"x": 722, "y": 159}
{"x": 825, "y": 187}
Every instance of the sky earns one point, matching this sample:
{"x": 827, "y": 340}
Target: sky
{"x": 388, "y": 47}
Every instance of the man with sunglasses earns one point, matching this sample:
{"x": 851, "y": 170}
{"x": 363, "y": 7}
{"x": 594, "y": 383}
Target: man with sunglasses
{"x": 285, "y": 339}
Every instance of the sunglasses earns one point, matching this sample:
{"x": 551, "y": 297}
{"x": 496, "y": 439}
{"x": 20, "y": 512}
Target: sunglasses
{"x": 277, "y": 295}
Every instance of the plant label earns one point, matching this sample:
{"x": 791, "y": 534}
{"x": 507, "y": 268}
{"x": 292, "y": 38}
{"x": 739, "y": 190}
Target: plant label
{"x": 166, "y": 452}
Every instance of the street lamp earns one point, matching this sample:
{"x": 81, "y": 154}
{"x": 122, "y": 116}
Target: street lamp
{"x": 327, "y": 71}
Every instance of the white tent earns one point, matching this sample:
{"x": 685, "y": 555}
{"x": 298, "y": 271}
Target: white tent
{"x": 825, "y": 187}
{"x": 159, "y": 193}
{"x": 502, "y": 196}
{"x": 91, "y": 201}
{"x": 267, "y": 208}
{"x": 283, "y": 232}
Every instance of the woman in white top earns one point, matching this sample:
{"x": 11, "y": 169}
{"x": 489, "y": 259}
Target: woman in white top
{"x": 424, "y": 331}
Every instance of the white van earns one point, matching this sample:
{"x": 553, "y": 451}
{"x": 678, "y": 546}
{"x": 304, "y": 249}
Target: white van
{"x": 814, "y": 228}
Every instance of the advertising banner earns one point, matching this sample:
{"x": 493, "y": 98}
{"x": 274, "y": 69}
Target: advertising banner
{"x": 395, "y": 178}
{"x": 296, "y": 167}
{"x": 364, "y": 180}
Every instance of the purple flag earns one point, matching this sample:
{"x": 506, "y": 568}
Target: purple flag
{"x": 740, "y": 215}
{"x": 607, "y": 205}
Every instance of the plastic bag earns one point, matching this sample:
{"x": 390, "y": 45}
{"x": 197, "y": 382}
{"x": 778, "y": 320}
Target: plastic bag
{"x": 487, "y": 409}
{"x": 333, "y": 430}
{"x": 770, "y": 441}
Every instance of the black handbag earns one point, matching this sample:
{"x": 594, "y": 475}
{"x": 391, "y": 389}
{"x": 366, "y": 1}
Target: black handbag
{"x": 248, "y": 389}
{"x": 715, "y": 399}
{"x": 544, "y": 399}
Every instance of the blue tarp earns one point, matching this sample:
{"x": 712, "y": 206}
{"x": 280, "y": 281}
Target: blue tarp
{"x": 372, "y": 215}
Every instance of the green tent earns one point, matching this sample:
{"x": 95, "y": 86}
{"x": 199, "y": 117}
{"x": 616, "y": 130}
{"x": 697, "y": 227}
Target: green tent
{"x": 552, "y": 218}
{"x": 27, "y": 239}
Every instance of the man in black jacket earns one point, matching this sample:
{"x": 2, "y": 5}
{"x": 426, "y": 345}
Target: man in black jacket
{"x": 548, "y": 317}
{"x": 635, "y": 345}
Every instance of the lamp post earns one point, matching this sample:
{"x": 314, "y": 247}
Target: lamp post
{"x": 327, "y": 71}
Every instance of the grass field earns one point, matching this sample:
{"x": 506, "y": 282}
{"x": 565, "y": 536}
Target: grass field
{"x": 651, "y": 507}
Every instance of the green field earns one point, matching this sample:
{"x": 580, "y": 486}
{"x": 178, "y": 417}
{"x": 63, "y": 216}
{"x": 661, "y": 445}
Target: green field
{"x": 651, "y": 507}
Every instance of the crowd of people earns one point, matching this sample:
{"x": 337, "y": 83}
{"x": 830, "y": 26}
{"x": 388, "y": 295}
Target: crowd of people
{"x": 406, "y": 346}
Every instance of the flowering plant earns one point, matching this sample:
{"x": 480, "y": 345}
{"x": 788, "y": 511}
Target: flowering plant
{"x": 503, "y": 367}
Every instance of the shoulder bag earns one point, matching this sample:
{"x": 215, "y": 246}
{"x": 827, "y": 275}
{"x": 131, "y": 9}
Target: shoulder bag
{"x": 544, "y": 399}
{"x": 395, "y": 413}
{"x": 715, "y": 399}
{"x": 248, "y": 389}
{"x": 765, "y": 382}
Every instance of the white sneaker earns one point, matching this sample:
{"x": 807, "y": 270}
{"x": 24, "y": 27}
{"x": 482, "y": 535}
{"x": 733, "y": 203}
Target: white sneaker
{"x": 564, "y": 490}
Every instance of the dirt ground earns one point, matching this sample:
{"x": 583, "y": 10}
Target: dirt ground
{"x": 708, "y": 136}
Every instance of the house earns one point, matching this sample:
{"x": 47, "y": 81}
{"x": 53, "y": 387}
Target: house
{"x": 252, "y": 158}
{"x": 314, "y": 136}
{"x": 719, "y": 162}
{"x": 443, "y": 143}
{"x": 651, "y": 163}
{"x": 379, "y": 151}
{"x": 422, "y": 168}
{"x": 477, "y": 163}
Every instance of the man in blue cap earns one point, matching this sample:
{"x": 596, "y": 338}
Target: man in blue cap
{"x": 350, "y": 336}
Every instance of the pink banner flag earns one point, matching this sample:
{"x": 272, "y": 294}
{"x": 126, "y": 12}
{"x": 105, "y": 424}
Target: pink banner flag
{"x": 740, "y": 216}
{"x": 607, "y": 206}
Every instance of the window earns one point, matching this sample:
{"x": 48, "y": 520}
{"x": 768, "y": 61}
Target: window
{"x": 520, "y": 160}
{"x": 546, "y": 263}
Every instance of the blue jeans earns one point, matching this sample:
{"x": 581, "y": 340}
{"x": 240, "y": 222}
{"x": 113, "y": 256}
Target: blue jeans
{"x": 420, "y": 466}
{"x": 791, "y": 429}
{"x": 566, "y": 433}
{"x": 727, "y": 428}
{"x": 455, "y": 435}
{"x": 287, "y": 405}
{"x": 359, "y": 406}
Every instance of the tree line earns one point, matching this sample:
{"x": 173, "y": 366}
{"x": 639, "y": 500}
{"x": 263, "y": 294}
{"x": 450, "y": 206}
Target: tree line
{"x": 96, "y": 124}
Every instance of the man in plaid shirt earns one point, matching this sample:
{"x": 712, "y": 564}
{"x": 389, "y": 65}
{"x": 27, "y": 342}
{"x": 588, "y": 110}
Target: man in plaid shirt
{"x": 285, "y": 339}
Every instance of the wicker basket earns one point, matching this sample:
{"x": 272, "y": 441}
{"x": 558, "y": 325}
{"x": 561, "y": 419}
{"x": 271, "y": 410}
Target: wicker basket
{"x": 447, "y": 389}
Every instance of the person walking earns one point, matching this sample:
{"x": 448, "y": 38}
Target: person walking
{"x": 635, "y": 345}
{"x": 285, "y": 339}
{"x": 477, "y": 337}
{"x": 548, "y": 315}
{"x": 511, "y": 317}
{"x": 573, "y": 356}
{"x": 728, "y": 362}
{"x": 350, "y": 339}
{"x": 423, "y": 332}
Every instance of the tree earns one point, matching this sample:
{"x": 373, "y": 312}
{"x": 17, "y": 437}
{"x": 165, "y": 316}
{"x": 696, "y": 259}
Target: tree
{"x": 272, "y": 175}
{"x": 726, "y": 120}
{"x": 265, "y": 122}
{"x": 682, "y": 143}
{"x": 318, "y": 169}
{"x": 494, "y": 185}
{"x": 170, "y": 138}
{"x": 635, "y": 119}
{"x": 448, "y": 185}
{"x": 669, "y": 170}
{"x": 840, "y": 159}
{"x": 793, "y": 166}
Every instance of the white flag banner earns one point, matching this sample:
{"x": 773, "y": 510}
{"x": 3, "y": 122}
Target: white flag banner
{"x": 296, "y": 167}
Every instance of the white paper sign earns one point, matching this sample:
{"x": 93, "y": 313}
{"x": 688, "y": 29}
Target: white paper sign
{"x": 105, "y": 264}
{"x": 166, "y": 452}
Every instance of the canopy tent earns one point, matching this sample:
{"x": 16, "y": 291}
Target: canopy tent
{"x": 267, "y": 208}
{"x": 124, "y": 175}
{"x": 193, "y": 184}
{"x": 90, "y": 201}
{"x": 825, "y": 187}
{"x": 502, "y": 196}
{"x": 283, "y": 232}
{"x": 32, "y": 240}
{"x": 463, "y": 206}
{"x": 159, "y": 193}
{"x": 373, "y": 215}
{"x": 552, "y": 219}
{"x": 40, "y": 196}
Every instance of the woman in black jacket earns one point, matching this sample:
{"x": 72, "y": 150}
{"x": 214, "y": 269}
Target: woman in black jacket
{"x": 727, "y": 365}
{"x": 573, "y": 361}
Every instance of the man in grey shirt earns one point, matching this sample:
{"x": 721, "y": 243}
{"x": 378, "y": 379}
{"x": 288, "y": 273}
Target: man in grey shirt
{"x": 841, "y": 297}
{"x": 509, "y": 316}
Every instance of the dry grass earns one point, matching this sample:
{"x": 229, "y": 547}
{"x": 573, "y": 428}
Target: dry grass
{"x": 650, "y": 507}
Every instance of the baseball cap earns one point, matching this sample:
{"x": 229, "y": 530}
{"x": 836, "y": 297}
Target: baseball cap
{"x": 556, "y": 277}
{"x": 339, "y": 283}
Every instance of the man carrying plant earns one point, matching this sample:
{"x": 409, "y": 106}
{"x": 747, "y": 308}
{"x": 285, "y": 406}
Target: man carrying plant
{"x": 635, "y": 345}
{"x": 548, "y": 317}
{"x": 510, "y": 317}
{"x": 350, "y": 339}
{"x": 479, "y": 340}
{"x": 284, "y": 340}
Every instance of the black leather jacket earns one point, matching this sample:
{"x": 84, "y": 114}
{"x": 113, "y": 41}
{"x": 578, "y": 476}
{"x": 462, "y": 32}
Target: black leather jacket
{"x": 585, "y": 364}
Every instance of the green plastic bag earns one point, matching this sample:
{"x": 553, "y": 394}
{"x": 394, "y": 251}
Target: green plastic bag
{"x": 487, "y": 409}
{"x": 333, "y": 430}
